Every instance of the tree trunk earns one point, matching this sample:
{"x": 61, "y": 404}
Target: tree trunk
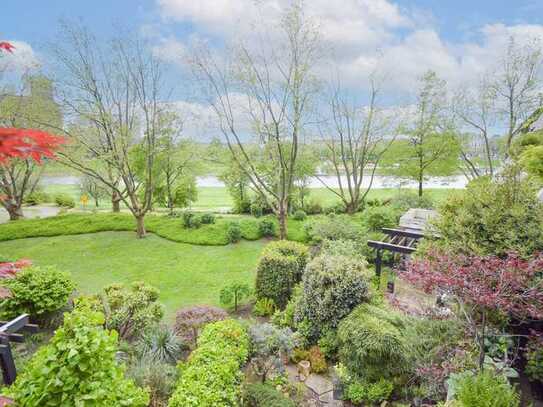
{"x": 115, "y": 201}
{"x": 351, "y": 207}
{"x": 420, "y": 186}
{"x": 282, "y": 217}
{"x": 15, "y": 211}
{"x": 96, "y": 201}
{"x": 140, "y": 226}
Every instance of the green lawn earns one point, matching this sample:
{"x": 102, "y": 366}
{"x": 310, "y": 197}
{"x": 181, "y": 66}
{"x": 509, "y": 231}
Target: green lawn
{"x": 185, "y": 274}
{"x": 213, "y": 198}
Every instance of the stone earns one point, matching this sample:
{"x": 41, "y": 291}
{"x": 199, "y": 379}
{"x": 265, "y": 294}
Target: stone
{"x": 304, "y": 368}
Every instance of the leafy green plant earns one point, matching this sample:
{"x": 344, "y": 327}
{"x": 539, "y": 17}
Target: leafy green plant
{"x": 534, "y": 357}
{"x": 299, "y": 354}
{"x": 324, "y": 228}
{"x": 37, "y": 291}
{"x": 76, "y": 366}
{"x": 279, "y": 269}
{"x": 233, "y": 233}
{"x": 131, "y": 310}
{"x": 264, "y": 307}
{"x": 332, "y": 287}
{"x": 380, "y": 217}
{"x": 371, "y": 393}
{"x": 264, "y": 395}
{"x": 191, "y": 220}
{"x": 64, "y": 201}
{"x": 266, "y": 228}
{"x": 37, "y": 197}
{"x": 234, "y": 293}
{"x": 212, "y": 375}
{"x": 285, "y": 318}
{"x": 486, "y": 390}
{"x": 160, "y": 344}
{"x": 371, "y": 344}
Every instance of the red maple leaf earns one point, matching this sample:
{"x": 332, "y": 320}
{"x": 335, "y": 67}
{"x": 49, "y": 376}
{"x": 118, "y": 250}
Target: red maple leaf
{"x": 6, "y": 46}
{"x": 27, "y": 143}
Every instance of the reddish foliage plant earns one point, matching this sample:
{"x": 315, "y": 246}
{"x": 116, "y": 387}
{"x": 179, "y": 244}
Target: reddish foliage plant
{"x": 10, "y": 268}
{"x": 483, "y": 286}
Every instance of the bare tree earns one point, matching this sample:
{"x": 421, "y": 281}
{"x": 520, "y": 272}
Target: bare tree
{"x": 355, "y": 144}
{"x": 475, "y": 109}
{"x": 113, "y": 96}
{"x": 517, "y": 85}
{"x": 274, "y": 85}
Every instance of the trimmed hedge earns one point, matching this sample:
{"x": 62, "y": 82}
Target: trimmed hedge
{"x": 280, "y": 268}
{"x": 264, "y": 395}
{"x": 212, "y": 375}
{"x": 163, "y": 226}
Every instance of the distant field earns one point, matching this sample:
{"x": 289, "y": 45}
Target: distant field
{"x": 216, "y": 198}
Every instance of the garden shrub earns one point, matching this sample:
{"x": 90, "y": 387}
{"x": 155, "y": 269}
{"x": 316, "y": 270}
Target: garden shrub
{"x": 233, "y": 233}
{"x": 486, "y": 389}
{"x": 371, "y": 344}
{"x": 493, "y": 217}
{"x": 264, "y": 395}
{"x": 317, "y": 360}
{"x": 266, "y": 228}
{"x": 332, "y": 287}
{"x": 37, "y": 198}
{"x": 299, "y": 354}
{"x": 64, "y": 201}
{"x": 160, "y": 344}
{"x": 191, "y": 320}
{"x": 299, "y": 215}
{"x": 369, "y": 393}
{"x": 191, "y": 220}
{"x": 212, "y": 376}
{"x": 77, "y": 368}
{"x": 233, "y": 293}
{"x": 324, "y": 228}
{"x": 207, "y": 219}
{"x": 534, "y": 357}
{"x": 405, "y": 201}
{"x": 285, "y": 318}
{"x": 380, "y": 217}
{"x": 37, "y": 291}
{"x": 131, "y": 310}
{"x": 280, "y": 267}
{"x": 270, "y": 345}
{"x": 264, "y": 307}
{"x": 313, "y": 207}
{"x": 157, "y": 378}
{"x": 328, "y": 343}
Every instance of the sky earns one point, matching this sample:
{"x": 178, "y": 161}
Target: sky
{"x": 460, "y": 39}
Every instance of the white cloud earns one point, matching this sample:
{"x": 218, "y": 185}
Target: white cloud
{"x": 22, "y": 59}
{"x": 361, "y": 35}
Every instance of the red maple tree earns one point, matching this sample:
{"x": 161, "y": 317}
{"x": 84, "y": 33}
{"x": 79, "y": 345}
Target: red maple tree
{"x": 483, "y": 286}
{"x": 26, "y": 143}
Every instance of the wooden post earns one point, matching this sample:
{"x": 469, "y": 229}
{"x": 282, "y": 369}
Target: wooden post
{"x": 378, "y": 261}
{"x": 9, "y": 373}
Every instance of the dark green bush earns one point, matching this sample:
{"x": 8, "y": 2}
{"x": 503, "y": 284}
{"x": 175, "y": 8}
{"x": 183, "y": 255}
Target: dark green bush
{"x": 207, "y": 218}
{"x": 379, "y": 217}
{"x": 371, "y": 344}
{"x": 279, "y": 269}
{"x": 76, "y": 366}
{"x": 313, "y": 207}
{"x": 266, "y": 228}
{"x": 486, "y": 390}
{"x": 264, "y": 395}
{"x": 212, "y": 375}
{"x": 332, "y": 287}
{"x": 64, "y": 201}
{"x": 37, "y": 291}
{"x": 191, "y": 220}
{"x": 233, "y": 233}
{"x": 493, "y": 217}
{"x": 299, "y": 215}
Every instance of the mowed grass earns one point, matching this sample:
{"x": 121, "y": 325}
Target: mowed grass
{"x": 218, "y": 198}
{"x": 185, "y": 274}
